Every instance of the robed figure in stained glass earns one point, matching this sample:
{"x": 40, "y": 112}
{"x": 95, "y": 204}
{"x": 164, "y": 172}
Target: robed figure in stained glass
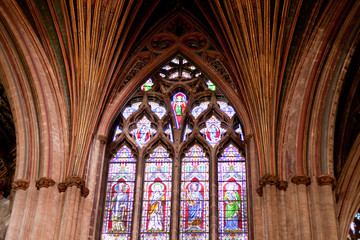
{"x": 232, "y": 205}
{"x": 156, "y": 207}
{"x": 194, "y": 201}
{"x": 119, "y": 206}
{"x": 179, "y": 103}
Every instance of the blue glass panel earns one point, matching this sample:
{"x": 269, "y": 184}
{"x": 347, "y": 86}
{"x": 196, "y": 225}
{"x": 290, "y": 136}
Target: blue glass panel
{"x": 130, "y": 110}
{"x": 228, "y": 110}
{"x": 157, "y": 109}
{"x": 199, "y": 109}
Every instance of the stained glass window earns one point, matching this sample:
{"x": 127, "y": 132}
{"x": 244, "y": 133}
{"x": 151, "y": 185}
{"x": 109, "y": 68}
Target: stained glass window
{"x": 147, "y": 85}
{"x": 155, "y": 223}
{"x": 168, "y": 132}
{"x": 211, "y": 86}
{"x": 213, "y": 131}
{"x": 240, "y": 132}
{"x": 130, "y": 110}
{"x": 117, "y": 132}
{"x": 157, "y": 109}
{"x": 194, "y": 207}
{"x": 187, "y": 132}
{"x": 226, "y": 108}
{"x": 119, "y": 196}
{"x": 143, "y": 131}
{"x": 232, "y": 194}
{"x": 354, "y": 232}
{"x": 199, "y": 109}
{"x": 178, "y": 104}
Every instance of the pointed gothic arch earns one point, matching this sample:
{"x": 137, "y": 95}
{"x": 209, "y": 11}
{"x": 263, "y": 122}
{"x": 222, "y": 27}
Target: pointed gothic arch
{"x": 197, "y": 116}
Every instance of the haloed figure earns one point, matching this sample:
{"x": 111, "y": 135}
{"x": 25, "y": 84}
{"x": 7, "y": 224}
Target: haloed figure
{"x": 119, "y": 207}
{"x": 232, "y": 206}
{"x": 156, "y": 211}
{"x": 194, "y": 201}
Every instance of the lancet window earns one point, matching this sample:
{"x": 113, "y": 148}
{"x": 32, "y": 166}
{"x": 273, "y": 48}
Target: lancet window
{"x": 178, "y": 117}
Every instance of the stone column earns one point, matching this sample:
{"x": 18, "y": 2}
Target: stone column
{"x": 302, "y": 181}
{"x": 69, "y": 220}
{"x": 91, "y": 202}
{"x": 327, "y": 205}
{"x": 46, "y": 209}
{"x": 268, "y": 190}
{"x": 283, "y": 223}
{"x": 20, "y": 186}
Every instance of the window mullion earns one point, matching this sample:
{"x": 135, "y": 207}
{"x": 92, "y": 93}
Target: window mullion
{"x": 175, "y": 202}
{"x": 213, "y": 188}
{"x": 139, "y": 180}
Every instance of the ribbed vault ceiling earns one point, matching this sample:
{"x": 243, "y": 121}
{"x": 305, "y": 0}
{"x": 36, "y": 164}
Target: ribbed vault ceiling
{"x": 89, "y": 44}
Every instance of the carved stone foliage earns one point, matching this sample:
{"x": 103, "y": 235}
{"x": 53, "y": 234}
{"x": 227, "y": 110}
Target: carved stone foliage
{"x": 179, "y": 26}
{"x": 301, "y": 179}
{"x": 283, "y": 185}
{"x": 62, "y": 187}
{"x": 102, "y": 139}
{"x": 271, "y": 180}
{"x": 327, "y": 180}
{"x": 140, "y": 62}
{"x": 22, "y": 184}
{"x": 217, "y": 62}
{"x": 85, "y": 192}
{"x": 74, "y": 181}
{"x": 44, "y": 182}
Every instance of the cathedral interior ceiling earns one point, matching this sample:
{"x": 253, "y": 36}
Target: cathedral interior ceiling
{"x": 265, "y": 47}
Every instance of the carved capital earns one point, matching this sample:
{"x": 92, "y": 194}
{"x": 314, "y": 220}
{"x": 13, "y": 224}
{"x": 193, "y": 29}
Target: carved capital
{"x": 248, "y": 138}
{"x": 301, "y": 179}
{"x": 74, "y": 181}
{"x": 85, "y": 192}
{"x": 22, "y": 184}
{"x": 269, "y": 180}
{"x": 102, "y": 139}
{"x": 283, "y": 185}
{"x": 327, "y": 180}
{"x": 44, "y": 182}
{"x": 62, "y": 187}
